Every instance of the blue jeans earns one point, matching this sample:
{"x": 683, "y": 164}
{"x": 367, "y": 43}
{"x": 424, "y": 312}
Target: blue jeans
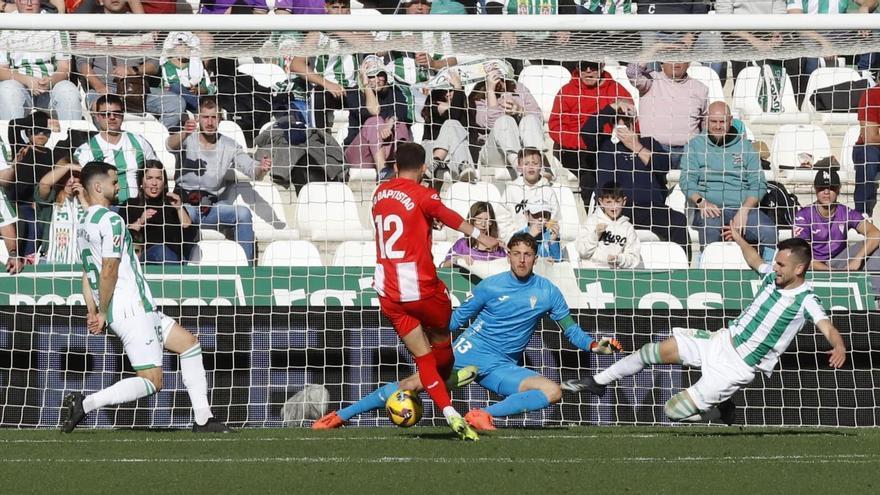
{"x": 866, "y": 161}
{"x": 759, "y": 230}
{"x": 869, "y": 61}
{"x": 29, "y": 230}
{"x": 225, "y": 215}
{"x": 159, "y": 253}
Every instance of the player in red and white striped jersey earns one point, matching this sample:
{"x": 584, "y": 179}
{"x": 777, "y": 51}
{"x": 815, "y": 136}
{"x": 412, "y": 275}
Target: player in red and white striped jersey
{"x": 410, "y": 294}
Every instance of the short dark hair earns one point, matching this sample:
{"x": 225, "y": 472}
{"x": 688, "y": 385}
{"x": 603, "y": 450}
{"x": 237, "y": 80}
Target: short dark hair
{"x": 409, "y": 156}
{"x": 108, "y": 99}
{"x": 207, "y": 102}
{"x": 94, "y": 170}
{"x": 528, "y": 152}
{"x": 523, "y": 238}
{"x": 799, "y": 248}
{"x": 610, "y": 190}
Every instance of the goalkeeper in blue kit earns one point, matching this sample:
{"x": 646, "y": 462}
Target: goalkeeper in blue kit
{"x": 506, "y": 309}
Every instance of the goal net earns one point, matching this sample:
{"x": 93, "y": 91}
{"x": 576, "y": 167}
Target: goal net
{"x": 261, "y": 241}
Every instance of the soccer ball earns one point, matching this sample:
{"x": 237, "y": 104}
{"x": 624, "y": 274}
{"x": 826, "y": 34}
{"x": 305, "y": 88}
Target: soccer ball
{"x": 404, "y": 408}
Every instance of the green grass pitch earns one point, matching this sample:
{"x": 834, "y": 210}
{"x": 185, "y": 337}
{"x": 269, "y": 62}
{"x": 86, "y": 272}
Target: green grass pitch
{"x": 429, "y": 460}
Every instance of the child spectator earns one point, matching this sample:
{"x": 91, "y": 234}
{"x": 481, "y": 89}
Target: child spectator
{"x": 466, "y": 249}
{"x": 608, "y": 239}
{"x": 183, "y": 72}
{"x": 60, "y": 211}
{"x": 541, "y": 225}
{"x": 531, "y": 181}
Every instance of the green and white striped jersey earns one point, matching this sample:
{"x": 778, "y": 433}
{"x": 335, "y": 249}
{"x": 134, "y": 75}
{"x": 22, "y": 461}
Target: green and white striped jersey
{"x": 532, "y": 7}
{"x": 7, "y": 214}
{"x": 129, "y": 155}
{"x": 103, "y": 234}
{"x": 287, "y": 44}
{"x": 188, "y": 74}
{"x": 765, "y": 329}
{"x": 338, "y": 68}
{"x": 819, "y": 6}
{"x": 66, "y": 220}
{"x": 54, "y": 46}
{"x": 610, "y": 7}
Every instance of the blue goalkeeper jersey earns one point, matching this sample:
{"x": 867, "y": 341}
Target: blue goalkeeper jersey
{"x": 507, "y": 311}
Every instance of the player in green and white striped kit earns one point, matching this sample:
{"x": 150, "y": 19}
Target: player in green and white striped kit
{"x": 730, "y": 357}
{"x": 118, "y": 297}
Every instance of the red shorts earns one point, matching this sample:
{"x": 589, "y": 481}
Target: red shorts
{"x": 433, "y": 312}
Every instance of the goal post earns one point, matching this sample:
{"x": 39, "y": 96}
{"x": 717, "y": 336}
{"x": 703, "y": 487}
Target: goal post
{"x": 304, "y": 312}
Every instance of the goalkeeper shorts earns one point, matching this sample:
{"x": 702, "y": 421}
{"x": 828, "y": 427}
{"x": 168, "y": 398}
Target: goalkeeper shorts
{"x": 724, "y": 372}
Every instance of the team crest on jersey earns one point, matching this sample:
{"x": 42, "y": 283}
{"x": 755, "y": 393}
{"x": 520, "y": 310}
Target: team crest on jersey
{"x": 117, "y": 240}
{"x": 738, "y": 158}
{"x": 533, "y": 300}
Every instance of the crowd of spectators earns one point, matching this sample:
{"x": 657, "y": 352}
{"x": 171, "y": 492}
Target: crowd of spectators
{"x": 619, "y": 151}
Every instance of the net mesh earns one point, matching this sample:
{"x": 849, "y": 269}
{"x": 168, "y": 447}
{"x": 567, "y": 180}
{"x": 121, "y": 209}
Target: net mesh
{"x": 277, "y": 283}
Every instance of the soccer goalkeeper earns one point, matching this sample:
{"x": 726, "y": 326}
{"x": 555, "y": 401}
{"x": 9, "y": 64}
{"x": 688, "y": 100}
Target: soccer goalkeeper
{"x": 507, "y": 307}
{"x": 730, "y": 357}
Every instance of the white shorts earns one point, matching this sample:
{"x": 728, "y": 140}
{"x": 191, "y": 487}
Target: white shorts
{"x": 724, "y": 372}
{"x": 143, "y": 338}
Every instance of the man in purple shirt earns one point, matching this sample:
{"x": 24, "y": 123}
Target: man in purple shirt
{"x": 825, "y": 224}
{"x": 224, "y": 6}
{"x": 297, "y": 7}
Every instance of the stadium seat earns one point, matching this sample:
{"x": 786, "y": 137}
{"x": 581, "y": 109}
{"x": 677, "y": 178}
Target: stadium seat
{"x": 569, "y": 218}
{"x": 264, "y": 201}
{"x": 824, "y": 77}
{"x": 570, "y": 253}
{"x": 355, "y": 253}
{"x": 327, "y": 211}
{"x": 544, "y": 81}
{"x": 267, "y": 75}
{"x": 618, "y": 73}
{"x": 218, "y": 253}
{"x": 710, "y": 78}
{"x": 291, "y": 253}
{"x": 231, "y": 129}
{"x": 156, "y": 134}
{"x": 647, "y": 236}
{"x": 745, "y": 99}
{"x": 461, "y": 195}
{"x": 439, "y": 250}
{"x": 723, "y": 256}
{"x": 663, "y": 256}
{"x": 847, "y": 172}
{"x": 791, "y": 140}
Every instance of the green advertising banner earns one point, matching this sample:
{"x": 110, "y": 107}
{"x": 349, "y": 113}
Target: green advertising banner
{"x": 338, "y": 286}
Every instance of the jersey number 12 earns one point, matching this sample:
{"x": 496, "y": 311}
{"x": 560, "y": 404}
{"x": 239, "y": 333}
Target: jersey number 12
{"x": 389, "y": 229}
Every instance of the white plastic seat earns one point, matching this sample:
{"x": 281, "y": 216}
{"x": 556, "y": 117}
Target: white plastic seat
{"x": 710, "y": 78}
{"x": 618, "y": 73}
{"x": 824, "y": 77}
{"x": 847, "y": 170}
{"x": 745, "y": 100}
{"x": 267, "y": 75}
{"x": 723, "y": 256}
{"x": 439, "y": 249}
{"x": 663, "y": 256}
{"x": 791, "y": 140}
{"x": 231, "y": 129}
{"x": 461, "y": 195}
{"x": 646, "y": 236}
{"x": 156, "y": 134}
{"x": 327, "y": 211}
{"x": 264, "y": 200}
{"x": 355, "y": 253}
{"x": 218, "y": 253}
{"x": 544, "y": 81}
{"x": 569, "y": 218}
{"x": 291, "y": 253}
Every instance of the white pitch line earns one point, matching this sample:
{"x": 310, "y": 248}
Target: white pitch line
{"x": 788, "y": 459}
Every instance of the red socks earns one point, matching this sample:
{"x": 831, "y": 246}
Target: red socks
{"x": 442, "y": 352}
{"x": 434, "y": 385}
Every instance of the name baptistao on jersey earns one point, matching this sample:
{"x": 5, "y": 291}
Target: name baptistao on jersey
{"x": 765, "y": 329}
{"x": 103, "y": 234}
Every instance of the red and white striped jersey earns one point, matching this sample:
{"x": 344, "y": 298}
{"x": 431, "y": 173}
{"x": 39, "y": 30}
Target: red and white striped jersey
{"x": 403, "y": 214}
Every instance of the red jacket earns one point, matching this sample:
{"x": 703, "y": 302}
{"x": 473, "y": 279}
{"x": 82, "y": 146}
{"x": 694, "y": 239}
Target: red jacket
{"x": 575, "y": 103}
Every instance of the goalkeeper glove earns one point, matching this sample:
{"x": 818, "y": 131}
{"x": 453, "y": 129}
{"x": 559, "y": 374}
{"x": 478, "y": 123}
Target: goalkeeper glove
{"x": 605, "y": 345}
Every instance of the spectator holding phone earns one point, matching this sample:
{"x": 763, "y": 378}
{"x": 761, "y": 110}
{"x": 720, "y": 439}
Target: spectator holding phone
{"x": 158, "y": 220}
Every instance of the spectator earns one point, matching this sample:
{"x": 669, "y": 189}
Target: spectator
{"x": 183, "y": 72}
{"x": 203, "y": 158}
{"x": 466, "y": 250}
{"x": 299, "y": 7}
{"x": 638, "y": 166}
{"x": 590, "y": 89}
{"x": 14, "y": 262}
{"x": 530, "y": 183}
{"x": 331, "y": 75}
{"x": 610, "y": 7}
{"x": 96, "y": 6}
{"x": 445, "y": 132}
{"x": 511, "y": 39}
{"x": 866, "y": 152}
{"x": 378, "y": 119}
{"x": 127, "y": 150}
{"x": 37, "y": 79}
{"x": 230, "y": 6}
{"x": 158, "y": 220}
{"x": 506, "y": 118}
{"x": 33, "y": 160}
{"x": 608, "y": 240}
{"x": 825, "y": 225}
{"x": 104, "y": 75}
{"x": 672, "y": 105}
{"x": 60, "y": 211}
{"x": 541, "y": 225}
{"x": 721, "y": 176}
